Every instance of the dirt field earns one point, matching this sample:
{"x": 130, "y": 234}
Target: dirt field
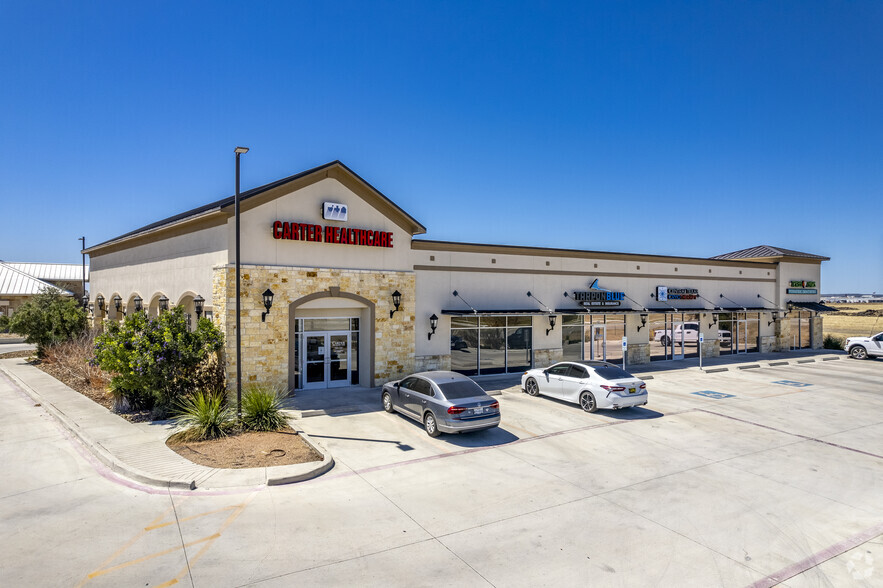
{"x": 848, "y": 323}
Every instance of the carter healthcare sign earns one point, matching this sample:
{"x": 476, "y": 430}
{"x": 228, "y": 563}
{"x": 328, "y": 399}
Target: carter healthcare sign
{"x": 330, "y": 234}
{"x": 665, "y": 293}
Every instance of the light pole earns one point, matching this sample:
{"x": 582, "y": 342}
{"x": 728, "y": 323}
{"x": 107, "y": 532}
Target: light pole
{"x": 83, "y": 251}
{"x": 239, "y": 151}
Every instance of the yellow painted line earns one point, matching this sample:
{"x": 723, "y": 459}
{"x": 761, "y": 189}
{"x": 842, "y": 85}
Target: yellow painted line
{"x": 131, "y": 542}
{"x": 151, "y": 556}
{"x": 205, "y": 514}
{"x": 233, "y": 516}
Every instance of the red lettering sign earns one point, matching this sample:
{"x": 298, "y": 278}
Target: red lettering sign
{"x": 330, "y": 234}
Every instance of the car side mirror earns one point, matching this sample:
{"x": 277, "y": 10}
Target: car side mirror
{"x": 398, "y": 385}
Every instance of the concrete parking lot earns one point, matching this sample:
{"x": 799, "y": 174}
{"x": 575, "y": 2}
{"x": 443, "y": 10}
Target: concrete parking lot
{"x": 762, "y": 477}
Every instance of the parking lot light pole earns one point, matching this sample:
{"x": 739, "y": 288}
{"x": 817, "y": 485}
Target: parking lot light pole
{"x": 83, "y": 251}
{"x": 239, "y": 151}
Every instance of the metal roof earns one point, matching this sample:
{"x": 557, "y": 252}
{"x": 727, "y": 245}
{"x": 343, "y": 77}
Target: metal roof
{"x": 813, "y": 306}
{"x": 68, "y": 272}
{"x": 14, "y": 282}
{"x": 766, "y": 251}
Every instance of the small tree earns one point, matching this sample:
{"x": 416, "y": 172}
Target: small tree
{"x": 48, "y": 318}
{"x": 159, "y": 356}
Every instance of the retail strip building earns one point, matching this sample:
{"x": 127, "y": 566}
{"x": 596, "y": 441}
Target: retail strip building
{"x": 358, "y": 300}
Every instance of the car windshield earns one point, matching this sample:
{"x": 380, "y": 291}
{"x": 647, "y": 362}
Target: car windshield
{"x": 612, "y": 373}
{"x": 460, "y": 389}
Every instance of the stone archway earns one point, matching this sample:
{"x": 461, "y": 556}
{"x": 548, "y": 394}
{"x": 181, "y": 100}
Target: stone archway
{"x": 366, "y": 330}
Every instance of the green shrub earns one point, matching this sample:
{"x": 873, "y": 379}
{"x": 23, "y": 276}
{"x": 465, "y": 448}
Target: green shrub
{"x": 832, "y": 342}
{"x": 4, "y": 323}
{"x": 203, "y": 415}
{"x": 48, "y": 318}
{"x": 160, "y": 357}
{"x": 262, "y": 408}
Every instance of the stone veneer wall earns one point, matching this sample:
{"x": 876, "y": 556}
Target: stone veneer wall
{"x": 638, "y": 353}
{"x": 265, "y": 344}
{"x": 817, "y": 332}
{"x": 767, "y": 343}
{"x": 711, "y": 348}
{"x": 546, "y": 357}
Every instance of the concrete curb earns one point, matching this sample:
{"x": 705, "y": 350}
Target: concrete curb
{"x": 275, "y": 475}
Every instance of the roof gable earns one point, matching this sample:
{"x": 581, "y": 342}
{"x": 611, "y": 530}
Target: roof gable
{"x": 268, "y": 192}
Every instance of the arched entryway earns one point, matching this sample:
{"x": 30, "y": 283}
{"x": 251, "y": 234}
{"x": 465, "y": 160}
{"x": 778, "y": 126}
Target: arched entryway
{"x": 331, "y": 341}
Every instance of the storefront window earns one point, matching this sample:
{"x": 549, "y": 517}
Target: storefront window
{"x": 572, "y": 337}
{"x": 491, "y": 344}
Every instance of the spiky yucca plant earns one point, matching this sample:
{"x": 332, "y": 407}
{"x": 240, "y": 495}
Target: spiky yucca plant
{"x": 204, "y": 415}
{"x": 261, "y": 408}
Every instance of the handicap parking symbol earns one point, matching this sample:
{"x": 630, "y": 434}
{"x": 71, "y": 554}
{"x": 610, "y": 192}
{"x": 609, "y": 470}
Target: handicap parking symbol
{"x": 715, "y": 395}
{"x": 792, "y": 383}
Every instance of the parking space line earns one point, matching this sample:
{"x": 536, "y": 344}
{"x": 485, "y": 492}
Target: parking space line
{"x": 818, "y": 558}
{"x": 805, "y": 437}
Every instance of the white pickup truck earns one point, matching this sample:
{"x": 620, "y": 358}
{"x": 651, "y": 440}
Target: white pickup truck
{"x": 690, "y": 333}
{"x": 864, "y": 347}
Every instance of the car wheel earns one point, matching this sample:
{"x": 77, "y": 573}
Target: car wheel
{"x": 665, "y": 341}
{"x": 858, "y": 352}
{"x": 587, "y": 402}
{"x": 387, "y": 402}
{"x": 531, "y": 387}
{"x": 430, "y": 425}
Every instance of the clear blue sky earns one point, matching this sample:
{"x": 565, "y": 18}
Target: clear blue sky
{"x": 677, "y": 128}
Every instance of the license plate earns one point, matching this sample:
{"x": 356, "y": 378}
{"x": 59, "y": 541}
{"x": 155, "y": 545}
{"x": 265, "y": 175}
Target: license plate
{"x": 478, "y": 410}
{"x": 632, "y": 390}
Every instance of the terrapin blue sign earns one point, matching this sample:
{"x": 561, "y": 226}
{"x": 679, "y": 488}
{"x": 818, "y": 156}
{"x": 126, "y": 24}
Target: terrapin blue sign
{"x": 596, "y": 296}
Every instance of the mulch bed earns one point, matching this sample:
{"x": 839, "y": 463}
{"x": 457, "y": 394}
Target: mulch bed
{"x": 14, "y": 354}
{"x": 247, "y": 450}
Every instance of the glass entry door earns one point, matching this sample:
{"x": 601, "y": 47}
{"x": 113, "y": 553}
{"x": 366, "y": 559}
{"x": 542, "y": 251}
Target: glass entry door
{"x": 326, "y": 361}
{"x": 740, "y": 344}
{"x": 598, "y": 342}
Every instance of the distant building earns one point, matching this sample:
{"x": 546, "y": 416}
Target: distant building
{"x": 20, "y": 281}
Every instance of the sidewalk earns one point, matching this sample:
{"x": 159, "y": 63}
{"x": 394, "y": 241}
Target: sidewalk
{"x": 138, "y": 450}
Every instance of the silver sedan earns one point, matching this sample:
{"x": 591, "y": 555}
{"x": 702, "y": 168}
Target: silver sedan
{"x": 445, "y": 402}
{"x": 591, "y": 384}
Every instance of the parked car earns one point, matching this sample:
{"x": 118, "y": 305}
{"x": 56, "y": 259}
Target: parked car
{"x": 591, "y": 384}
{"x": 445, "y": 402}
{"x": 690, "y": 335}
{"x": 864, "y": 347}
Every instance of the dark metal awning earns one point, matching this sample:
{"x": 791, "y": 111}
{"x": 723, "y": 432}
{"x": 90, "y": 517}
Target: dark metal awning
{"x": 598, "y": 310}
{"x": 470, "y": 312}
{"x": 813, "y": 306}
{"x": 746, "y": 309}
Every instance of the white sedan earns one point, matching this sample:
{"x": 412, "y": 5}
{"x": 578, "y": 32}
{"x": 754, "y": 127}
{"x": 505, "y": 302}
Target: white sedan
{"x": 591, "y": 384}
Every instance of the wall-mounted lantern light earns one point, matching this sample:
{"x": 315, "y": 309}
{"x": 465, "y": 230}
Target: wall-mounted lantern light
{"x": 92, "y": 308}
{"x": 138, "y": 303}
{"x": 163, "y": 303}
{"x": 100, "y": 301}
{"x": 85, "y": 301}
{"x": 268, "y": 302}
{"x": 713, "y": 320}
{"x": 433, "y": 324}
{"x": 551, "y": 324}
{"x": 117, "y": 302}
{"x": 197, "y": 303}
{"x": 396, "y": 301}
{"x": 643, "y": 322}
{"x": 774, "y": 315}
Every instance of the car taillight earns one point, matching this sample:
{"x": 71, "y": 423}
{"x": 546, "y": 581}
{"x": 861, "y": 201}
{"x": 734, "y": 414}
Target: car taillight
{"x": 643, "y": 385}
{"x": 496, "y": 404}
{"x": 455, "y": 409}
{"x": 613, "y": 388}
